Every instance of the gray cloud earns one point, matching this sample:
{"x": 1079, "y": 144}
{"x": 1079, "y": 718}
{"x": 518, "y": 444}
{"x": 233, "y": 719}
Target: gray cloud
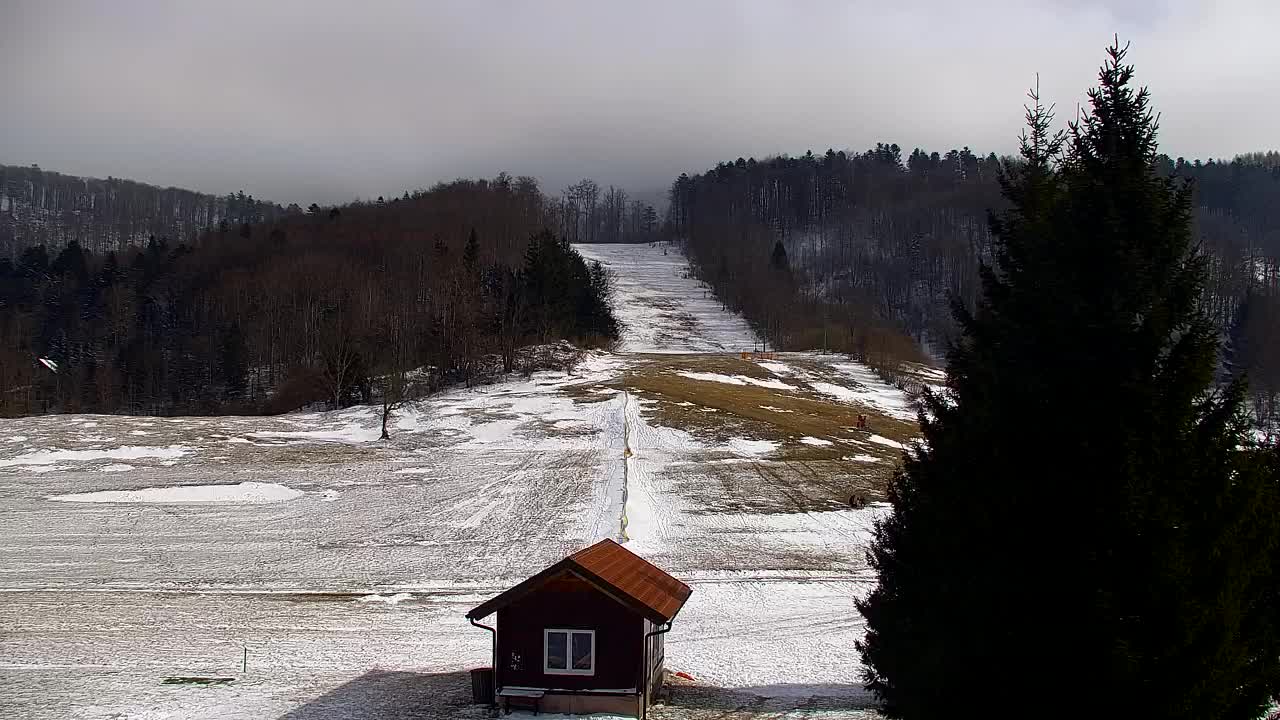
{"x": 315, "y": 100}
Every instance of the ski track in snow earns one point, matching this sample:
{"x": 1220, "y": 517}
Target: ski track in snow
{"x": 333, "y": 557}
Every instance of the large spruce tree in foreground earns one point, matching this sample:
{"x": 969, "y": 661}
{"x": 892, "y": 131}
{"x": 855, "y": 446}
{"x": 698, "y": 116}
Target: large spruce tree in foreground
{"x": 1086, "y": 530}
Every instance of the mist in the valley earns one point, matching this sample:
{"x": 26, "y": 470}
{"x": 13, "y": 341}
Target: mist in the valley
{"x": 302, "y": 101}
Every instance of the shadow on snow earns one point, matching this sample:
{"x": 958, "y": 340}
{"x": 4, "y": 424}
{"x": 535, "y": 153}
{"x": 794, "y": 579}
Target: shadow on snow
{"x": 399, "y": 695}
{"x": 391, "y": 695}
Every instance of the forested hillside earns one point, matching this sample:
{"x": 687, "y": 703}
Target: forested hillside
{"x": 862, "y": 252}
{"x": 272, "y": 315}
{"x": 39, "y": 207}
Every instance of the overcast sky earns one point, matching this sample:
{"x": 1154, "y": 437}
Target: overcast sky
{"x": 318, "y": 100}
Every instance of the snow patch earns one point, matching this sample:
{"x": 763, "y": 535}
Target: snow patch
{"x": 746, "y": 446}
{"x": 388, "y": 599}
{"x": 868, "y": 390}
{"x": 735, "y": 380}
{"x": 245, "y": 492}
{"x": 493, "y": 432}
{"x": 816, "y": 442}
{"x": 776, "y": 368}
{"x": 598, "y": 366}
{"x": 129, "y": 452}
{"x": 839, "y": 392}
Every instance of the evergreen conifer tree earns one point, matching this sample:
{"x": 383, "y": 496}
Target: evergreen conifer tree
{"x": 471, "y": 253}
{"x": 1086, "y": 530}
{"x": 778, "y": 259}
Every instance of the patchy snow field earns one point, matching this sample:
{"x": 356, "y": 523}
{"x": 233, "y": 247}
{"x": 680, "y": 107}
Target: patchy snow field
{"x": 141, "y": 558}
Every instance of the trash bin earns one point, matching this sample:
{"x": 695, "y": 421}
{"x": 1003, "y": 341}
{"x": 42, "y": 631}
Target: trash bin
{"x": 482, "y": 686}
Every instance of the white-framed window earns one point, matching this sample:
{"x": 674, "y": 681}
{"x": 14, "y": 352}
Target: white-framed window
{"x": 568, "y": 652}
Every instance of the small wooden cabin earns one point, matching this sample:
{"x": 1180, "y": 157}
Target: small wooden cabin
{"x": 584, "y": 635}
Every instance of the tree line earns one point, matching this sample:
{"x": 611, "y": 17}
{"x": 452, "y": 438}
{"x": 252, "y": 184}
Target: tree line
{"x": 589, "y": 214}
{"x": 319, "y": 306}
{"x": 41, "y": 207}
{"x": 865, "y": 252}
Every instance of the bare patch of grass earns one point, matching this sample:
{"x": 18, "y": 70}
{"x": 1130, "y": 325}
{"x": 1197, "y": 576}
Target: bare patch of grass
{"x": 761, "y": 412}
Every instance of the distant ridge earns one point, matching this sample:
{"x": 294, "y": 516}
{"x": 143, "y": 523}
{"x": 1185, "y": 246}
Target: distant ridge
{"x": 43, "y": 207}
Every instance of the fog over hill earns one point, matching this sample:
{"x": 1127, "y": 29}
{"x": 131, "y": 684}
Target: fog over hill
{"x": 302, "y": 101}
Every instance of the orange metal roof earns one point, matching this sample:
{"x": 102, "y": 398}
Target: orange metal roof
{"x": 631, "y": 579}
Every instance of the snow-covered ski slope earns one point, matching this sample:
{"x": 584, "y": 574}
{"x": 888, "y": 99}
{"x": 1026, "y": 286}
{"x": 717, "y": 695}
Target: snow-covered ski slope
{"x": 664, "y": 311}
{"x": 139, "y": 553}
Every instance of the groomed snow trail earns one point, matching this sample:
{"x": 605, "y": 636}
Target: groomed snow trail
{"x": 662, "y": 308}
{"x": 138, "y": 549}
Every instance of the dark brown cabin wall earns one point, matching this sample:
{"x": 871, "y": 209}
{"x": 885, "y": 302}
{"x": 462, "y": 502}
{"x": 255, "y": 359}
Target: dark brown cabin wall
{"x": 569, "y": 603}
{"x": 655, "y": 651}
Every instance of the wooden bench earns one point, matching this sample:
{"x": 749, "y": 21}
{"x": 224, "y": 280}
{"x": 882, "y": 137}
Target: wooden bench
{"x": 522, "y": 697}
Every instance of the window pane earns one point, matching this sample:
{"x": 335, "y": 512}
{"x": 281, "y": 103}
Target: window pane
{"x": 557, "y": 650}
{"x": 581, "y": 651}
